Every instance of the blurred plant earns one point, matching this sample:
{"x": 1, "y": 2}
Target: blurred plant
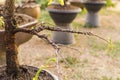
{"x": 1, "y": 21}
{"x": 62, "y": 2}
{"x": 106, "y": 78}
{"x": 109, "y": 3}
{"x": 39, "y": 71}
{"x": 43, "y": 3}
{"x": 70, "y": 61}
{"x": 44, "y": 67}
{"x": 110, "y": 46}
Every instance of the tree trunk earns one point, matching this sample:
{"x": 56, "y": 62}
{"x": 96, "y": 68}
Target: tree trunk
{"x": 11, "y": 48}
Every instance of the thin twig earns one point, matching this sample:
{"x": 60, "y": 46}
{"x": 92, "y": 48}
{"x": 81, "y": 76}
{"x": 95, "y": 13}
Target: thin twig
{"x": 57, "y": 63}
{"x": 67, "y": 46}
{"x": 48, "y": 40}
{"x": 54, "y": 28}
{"x": 42, "y": 26}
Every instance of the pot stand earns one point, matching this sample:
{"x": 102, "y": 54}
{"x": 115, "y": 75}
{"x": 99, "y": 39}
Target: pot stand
{"x": 63, "y": 20}
{"x": 63, "y": 37}
{"x": 92, "y": 19}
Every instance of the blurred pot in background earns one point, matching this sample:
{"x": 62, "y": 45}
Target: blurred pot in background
{"x": 30, "y": 8}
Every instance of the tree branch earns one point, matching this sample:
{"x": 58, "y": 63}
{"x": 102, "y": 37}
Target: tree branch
{"x": 47, "y": 39}
{"x": 70, "y": 31}
{"x": 25, "y": 30}
{"x": 30, "y": 31}
{"x": 42, "y": 26}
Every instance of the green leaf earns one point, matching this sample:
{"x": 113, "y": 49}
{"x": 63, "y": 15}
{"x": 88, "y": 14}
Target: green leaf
{"x": 61, "y": 2}
{"x": 1, "y": 21}
{"x": 51, "y": 60}
{"x": 49, "y": 2}
{"x": 110, "y": 45}
{"x": 38, "y": 72}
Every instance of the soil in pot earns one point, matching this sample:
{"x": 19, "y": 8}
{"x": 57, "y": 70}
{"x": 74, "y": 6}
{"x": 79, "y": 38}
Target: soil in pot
{"x": 94, "y": 0}
{"x": 25, "y": 73}
{"x": 59, "y": 7}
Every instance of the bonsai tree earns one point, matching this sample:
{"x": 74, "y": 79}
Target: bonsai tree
{"x": 13, "y": 70}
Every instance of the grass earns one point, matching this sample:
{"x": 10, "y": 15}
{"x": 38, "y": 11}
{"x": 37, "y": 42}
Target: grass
{"x": 76, "y": 25}
{"x": 106, "y": 11}
{"x": 101, "y": 46}
{"x": 115, "y": 52}
{"x": 71, "y": 61}
{"x": 109, "y": 78}
{"x": 45, "y": 17}
{"x": 93, "y": 45}
{"x": 97, "y": 45}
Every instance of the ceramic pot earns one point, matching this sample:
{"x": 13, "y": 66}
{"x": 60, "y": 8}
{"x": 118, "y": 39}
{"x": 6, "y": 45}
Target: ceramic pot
{"x": 44, "y": 74}
{"x": 77, "y": 3}
{"x": 93, "y": 8}
{"x": 63, "y": 19}
{"x": 29, "y": 9}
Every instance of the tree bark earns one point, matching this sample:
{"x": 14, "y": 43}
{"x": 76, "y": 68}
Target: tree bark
{"x": 11, "y": 48}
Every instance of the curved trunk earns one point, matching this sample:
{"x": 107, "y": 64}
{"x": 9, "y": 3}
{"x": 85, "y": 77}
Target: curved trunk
{"x": 11, "y": 48}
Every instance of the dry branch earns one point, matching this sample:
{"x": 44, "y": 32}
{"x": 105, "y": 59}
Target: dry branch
{"x": 43, "y": 26}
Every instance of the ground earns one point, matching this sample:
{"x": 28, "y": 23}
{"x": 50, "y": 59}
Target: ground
{"x": 88, "y": 58}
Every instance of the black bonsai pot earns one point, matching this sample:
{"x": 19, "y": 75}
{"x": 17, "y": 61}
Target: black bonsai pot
{"x": 28, "y": 73}
{"x": 63, "y": 18}
{"x": 93, "y": 7}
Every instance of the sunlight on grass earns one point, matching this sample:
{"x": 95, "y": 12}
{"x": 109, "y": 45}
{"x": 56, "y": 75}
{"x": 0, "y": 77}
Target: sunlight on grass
{"x": 106, "y": 11}
{"x": 101, "y": 46}
{"x": 71, "y": 61}
{"x": 115, "y": 53}
{"x": 78, "y": 76}
{"x": 77, "y": 25}
{"x": 109, "y": 78}
{"x": 45, "y": 17}
{"x": 97, "y": 45}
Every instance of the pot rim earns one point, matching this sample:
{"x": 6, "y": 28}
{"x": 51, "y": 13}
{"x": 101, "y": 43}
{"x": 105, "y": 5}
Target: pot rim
{"x": 53, "y": 75}
{"x": 64, "y": 11}
{"x": 28, "y": 6}
{"x": 25, "y": 25}
{"x": 94, "y": 2}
